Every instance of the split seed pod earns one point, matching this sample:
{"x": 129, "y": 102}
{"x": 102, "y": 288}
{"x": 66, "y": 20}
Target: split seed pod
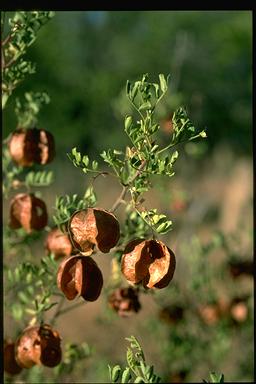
{"x": 10, "y": 363}
{"x": 93, "y": 226}
{"x": 149, "y": 262}
{"x": 80, "y": 275}
{"x": 28, "y": 211}
{"x": 38, "y": 345}
{"x": 58, "y": 243}
{"x": 124, "y": 301}
{"x": 29, "y": 146}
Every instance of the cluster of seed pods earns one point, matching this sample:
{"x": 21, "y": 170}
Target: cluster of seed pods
{"x": 28, "y": 147}
{"x": 147, "y": 262}
{"x": 36, "y": 345}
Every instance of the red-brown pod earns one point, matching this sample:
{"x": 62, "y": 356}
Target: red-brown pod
{"x": 10, "y": 363}
{"x": 58, "y": 243}
{"x": 148, "y": 261}
{"x": 28, "y": 211}
{"x": 29, "y": 146}
{"x": 80, "y": 276}
{"x": 93, "y": 227}
{"x": 38, "y": 345}
{"x": 124, "y": 301}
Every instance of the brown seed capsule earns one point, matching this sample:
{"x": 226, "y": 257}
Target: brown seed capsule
{"x": 10, "y": 363}
{"x": 209, "y": 314}
{"x": 94, "y": 226}
{"x": 172, "y": 314}
{"x": 238, "y": 309}
{"x": 50, "y": 346}
{"x": 124, "y": 301}
{"x": 28, "y": 211}
{"x": 80, "y": 275}
{"x": 166, "y": 124}
{"x": 58, "y": 243}
{"x": 38, "y": 345}
{"x": 148, "y": 261}
{"x": 29, "y": 146}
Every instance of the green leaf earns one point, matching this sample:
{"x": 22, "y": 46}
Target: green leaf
{"x": 139, "y": 379}
{"x": 156, "y": 86}
{"x": 94, "y": 165}
{"x": 145, "y": 106}
{"x": 163, "y": 83}
{"x": 130, "y": 358}
{"x": 90, "y": 197}
{"x": 39, "y": 179}
{"x": 128, "y": 123}
{"x": 30, "y": 311}
{"x": 164, "y": 227}
{"x": 174, "y": 157}
{"x": 149, "y": 371}
{"x": 126, "y": 376}
{"x": 85, "y": 160}
{"x": 216, "y": 378}
{"x": 135, "y": 90}
{"x": 23, "y": 297}
{"x": 114, "y": 373}
{"x": 17, "y": 311}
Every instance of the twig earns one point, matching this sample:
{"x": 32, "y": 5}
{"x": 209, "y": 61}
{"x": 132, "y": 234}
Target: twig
{"x": 60, "y": 312}
{"x": 6, "y": 40}
{"x": 120, "y": 198}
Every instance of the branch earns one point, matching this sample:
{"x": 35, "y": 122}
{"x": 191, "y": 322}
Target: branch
{"x": 60, "y": 311}
{"x": 120, "y": 199}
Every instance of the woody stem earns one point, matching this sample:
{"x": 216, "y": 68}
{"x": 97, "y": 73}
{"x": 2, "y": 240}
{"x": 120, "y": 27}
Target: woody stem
{"x": 121, "y": 197}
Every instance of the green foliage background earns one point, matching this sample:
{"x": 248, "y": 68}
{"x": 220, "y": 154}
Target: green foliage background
{"x": 83, "y": 58}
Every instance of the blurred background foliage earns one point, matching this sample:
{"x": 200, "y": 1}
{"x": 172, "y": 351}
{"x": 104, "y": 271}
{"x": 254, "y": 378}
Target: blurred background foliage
{"x": 83, "y": 61}
{"x": 84, "y": 58}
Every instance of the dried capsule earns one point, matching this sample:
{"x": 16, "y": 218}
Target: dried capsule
{"x": 28, "y": 211}
{"x": 239, "y": 309}
{"x": 172, "y": 314}
{"x": 38, "y": 345}
{"x": 148, "y": 261}
{"x": 29, "y": 146}
{"x": 166, "y": 124}
{"x": 80, "y": 275}
{"x": 211, "y": 313}
{"x": 58, "y": 243}
{"x": 10, "y": 363}
{"x": 124, "y": 301}
{"x": 93, "y": 227}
